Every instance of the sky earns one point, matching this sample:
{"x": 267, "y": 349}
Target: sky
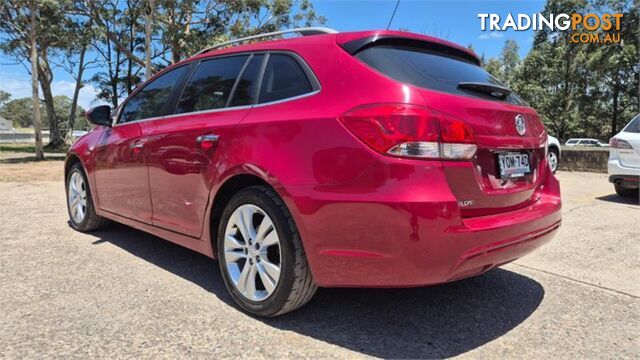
{"x": 453, "y": 20}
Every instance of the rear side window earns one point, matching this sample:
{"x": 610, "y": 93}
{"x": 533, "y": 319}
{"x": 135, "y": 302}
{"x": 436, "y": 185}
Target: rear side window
{"x": 283, "y": 78}
{"x": 571, "y": 142}
{"x": 150, "y": 101}
{"x": 634, "y": 125}
{"x": 211, "y": 84}
{"x": 245, "y": 92}
{"x": 430, "y": 69}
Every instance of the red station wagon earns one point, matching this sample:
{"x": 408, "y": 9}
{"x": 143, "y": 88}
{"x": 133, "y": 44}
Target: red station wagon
{"x": 360, "y": 159}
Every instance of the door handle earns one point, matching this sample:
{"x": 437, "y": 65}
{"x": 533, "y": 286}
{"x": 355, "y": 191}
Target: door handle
{"x": 207, "y": 141}
{"x": 207, "y": 138}
{"x": 137, "y": 146}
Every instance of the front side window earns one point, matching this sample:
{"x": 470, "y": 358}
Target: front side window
{"x": 283, "y": 78}
{"x": 211, "y": 84}
{"x": 151, "y": 100}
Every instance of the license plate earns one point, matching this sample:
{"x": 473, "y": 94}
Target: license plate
{"x": 513, "y": 165}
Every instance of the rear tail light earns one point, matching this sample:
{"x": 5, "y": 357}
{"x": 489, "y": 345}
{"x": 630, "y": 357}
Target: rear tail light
{"x": 411, "y": 131}
{"x": 616, "y": 143}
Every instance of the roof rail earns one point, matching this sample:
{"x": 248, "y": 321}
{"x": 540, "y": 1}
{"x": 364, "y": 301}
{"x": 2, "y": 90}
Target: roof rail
{"x": 302, "y": 31}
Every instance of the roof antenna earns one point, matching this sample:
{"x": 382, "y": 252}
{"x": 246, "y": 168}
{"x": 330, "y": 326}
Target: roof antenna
{"x": 394, "y": 14}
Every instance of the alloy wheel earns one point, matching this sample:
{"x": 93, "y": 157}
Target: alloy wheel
{"x": 252, "y": 252}
{"x": 77, "y": 197}
{"x": 553, "y": 160}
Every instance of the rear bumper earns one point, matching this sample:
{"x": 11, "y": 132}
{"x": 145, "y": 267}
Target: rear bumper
{"x": 412, "y": 235}
{"x": 624, "y": 176}
{"x": 625, "y": 181}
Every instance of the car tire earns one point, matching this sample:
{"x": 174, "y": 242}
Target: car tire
{"x": 624, "y": 192}
{"x": 79, "y": 195}
{"x": 261, "y": 209}
{"x": 554, "y": 159}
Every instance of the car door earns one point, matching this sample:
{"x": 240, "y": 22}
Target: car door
{"x": 186, "y": 147}
{"x": 122, "y": 179}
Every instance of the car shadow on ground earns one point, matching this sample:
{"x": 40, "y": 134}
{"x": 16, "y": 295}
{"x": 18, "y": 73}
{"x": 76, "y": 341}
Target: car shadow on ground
{"x": 429, "y": 322}
{"x": 619, "y": 199}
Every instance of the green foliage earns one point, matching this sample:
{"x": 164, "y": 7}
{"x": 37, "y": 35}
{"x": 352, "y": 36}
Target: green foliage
{"x": 4, "y": 97}
{"x": 20, "y": 111}
{"x": 579, "y": 90}
{"x": 179, "y": 29}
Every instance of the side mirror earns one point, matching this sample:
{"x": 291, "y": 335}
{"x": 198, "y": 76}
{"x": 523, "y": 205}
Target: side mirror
{"x": 100, "y": 115}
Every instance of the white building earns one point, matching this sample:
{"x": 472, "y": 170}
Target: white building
{"x": 5, "y": 124}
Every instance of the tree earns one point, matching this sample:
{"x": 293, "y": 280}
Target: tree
{"x": 35, "y": 99}
{"x": 20, "y": 111}
{"x": 49, "y": 29}
{"x": 615, "y": 67}
{"x": 147, "y": 35}
{"x": 510, "y": 60}
{"x": 75, "y": 60}
{"x": 4, "y": 97}
{"x": 19, "y": 19}
{"x": 548, "y": 78}
{"x": 494, "y": 67}
{"x": 507, "y": 65}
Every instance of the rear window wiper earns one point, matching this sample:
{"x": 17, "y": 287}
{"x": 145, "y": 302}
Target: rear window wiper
{"x": 494, "y": 90}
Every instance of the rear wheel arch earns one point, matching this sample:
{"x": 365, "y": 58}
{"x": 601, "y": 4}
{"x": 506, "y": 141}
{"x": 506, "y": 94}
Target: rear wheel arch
{"x": 229, "y": 188}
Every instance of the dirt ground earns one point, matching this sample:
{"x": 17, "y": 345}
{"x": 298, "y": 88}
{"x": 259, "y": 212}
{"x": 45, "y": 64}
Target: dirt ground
{"x": 19, "y": 166}
{"x": 122, "y": 293}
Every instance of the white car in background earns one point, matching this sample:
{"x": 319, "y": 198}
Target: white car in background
{"x": 553, "y": 152}
{"x": 624, "y": 159}
{"x": 585, "y": 142}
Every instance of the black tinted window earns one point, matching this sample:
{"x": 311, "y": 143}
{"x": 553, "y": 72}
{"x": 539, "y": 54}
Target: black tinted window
{"x": 634, "y": 125}
{"x": 245, "y": 92}
{"x": 283, "y": 78}
{"x": 150, "y": 101}
{"x": 429, "y": 69}
{"x": 211, "y": 84}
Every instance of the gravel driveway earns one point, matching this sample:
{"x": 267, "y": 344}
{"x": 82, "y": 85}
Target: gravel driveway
{"x": 122, "y": 293}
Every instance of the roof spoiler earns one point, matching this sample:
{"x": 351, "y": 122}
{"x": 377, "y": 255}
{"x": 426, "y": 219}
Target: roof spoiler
{"x": 355, "y": 46}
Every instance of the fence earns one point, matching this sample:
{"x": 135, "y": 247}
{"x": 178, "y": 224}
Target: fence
{"x": 584, "y": 159}
{"x": 21, "y": 137}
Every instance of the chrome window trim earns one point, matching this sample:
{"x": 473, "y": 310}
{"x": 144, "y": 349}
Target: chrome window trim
{"x": 209, "y": 111}
{"x": 243, "y": 107}
{"x": 297, "y": 97}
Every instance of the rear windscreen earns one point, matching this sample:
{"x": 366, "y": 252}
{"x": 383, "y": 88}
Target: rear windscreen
{"x": 429, "y": 69}
{"x": 634, "y": 125}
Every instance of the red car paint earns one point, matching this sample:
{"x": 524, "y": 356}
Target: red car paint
{"x": 358, "y": 212}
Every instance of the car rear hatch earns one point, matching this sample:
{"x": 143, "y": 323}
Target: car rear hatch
{"x": 629, "y": 148}
{"x": 510, "y": 161}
